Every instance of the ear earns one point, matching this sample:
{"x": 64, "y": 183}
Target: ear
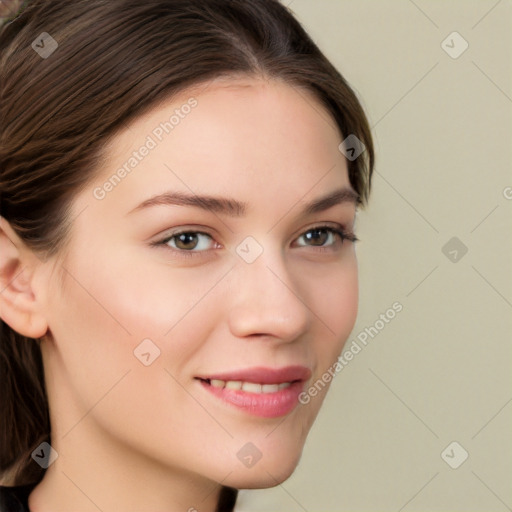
{"x": 19, "y": 307}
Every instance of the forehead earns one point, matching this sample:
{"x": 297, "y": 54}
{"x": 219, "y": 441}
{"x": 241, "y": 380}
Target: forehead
{"x": 242, "y": 136}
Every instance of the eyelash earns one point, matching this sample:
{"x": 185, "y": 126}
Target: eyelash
{"x": 338, "y": 230}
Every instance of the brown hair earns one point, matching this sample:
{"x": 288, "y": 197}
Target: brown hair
{"x": 114, "y": 61}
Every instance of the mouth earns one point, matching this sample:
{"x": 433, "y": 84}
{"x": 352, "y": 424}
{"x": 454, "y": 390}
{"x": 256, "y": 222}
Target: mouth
{"x": 263, "y": 392}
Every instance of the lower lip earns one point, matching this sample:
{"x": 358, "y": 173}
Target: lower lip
{"x": 265, "y": 405}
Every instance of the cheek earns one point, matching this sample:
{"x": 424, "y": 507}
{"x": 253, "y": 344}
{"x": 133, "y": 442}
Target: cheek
{"x": 107, "y": 307}
{"x": 335, "y": 300}
{"x": 126, "y": 299}
{"x": 97, "y": 320}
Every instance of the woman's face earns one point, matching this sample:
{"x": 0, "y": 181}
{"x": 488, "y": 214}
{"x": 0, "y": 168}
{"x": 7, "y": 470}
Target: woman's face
{"x": 146, "y": 324}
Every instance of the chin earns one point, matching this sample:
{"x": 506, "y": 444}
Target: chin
{"x": 264, "y": 474}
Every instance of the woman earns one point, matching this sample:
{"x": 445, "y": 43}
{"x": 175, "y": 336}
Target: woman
{"x": 179, "y": 184}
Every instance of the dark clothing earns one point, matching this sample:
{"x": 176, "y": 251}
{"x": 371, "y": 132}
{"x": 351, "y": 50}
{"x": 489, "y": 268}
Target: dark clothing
{"x": 227, "y": 499}
{"x": 15, "y": 499}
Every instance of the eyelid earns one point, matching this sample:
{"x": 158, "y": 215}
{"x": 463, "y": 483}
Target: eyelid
{"x": 335, "y": 226}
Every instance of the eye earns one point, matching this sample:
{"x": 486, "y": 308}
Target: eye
{"x": 188, "y": 241}
{"x": 325, "y": 237}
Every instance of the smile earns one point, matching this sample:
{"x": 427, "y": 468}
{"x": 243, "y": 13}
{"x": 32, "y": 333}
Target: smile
{"x": 263, "y": 392}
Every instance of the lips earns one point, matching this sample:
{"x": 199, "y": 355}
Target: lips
{"x": 259, "y": 391}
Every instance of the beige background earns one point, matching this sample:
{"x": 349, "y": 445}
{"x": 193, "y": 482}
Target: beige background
{"x": 440, "y": 370}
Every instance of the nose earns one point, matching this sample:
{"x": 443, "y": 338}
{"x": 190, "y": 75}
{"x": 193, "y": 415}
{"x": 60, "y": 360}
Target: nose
{"x": 266, "y": 301}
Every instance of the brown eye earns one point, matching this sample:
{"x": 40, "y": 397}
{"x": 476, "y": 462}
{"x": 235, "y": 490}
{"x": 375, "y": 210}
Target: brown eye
{"x": 189, "y": 241}
{"x": 325, "y": 237}
{"x": 317, "y": 236}
{"x": 186, "y": 241}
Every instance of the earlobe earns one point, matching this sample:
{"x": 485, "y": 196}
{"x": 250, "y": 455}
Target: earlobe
{"x": 19, "y": 307}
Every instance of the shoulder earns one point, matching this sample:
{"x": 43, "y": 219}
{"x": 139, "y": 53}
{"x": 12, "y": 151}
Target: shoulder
{"x": 15, "y": 499}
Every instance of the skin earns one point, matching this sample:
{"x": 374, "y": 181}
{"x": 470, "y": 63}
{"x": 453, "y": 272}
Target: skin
{"x": 133, "y": 437}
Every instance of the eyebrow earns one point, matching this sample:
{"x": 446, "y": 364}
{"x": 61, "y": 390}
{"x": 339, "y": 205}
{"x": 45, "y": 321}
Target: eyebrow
{"x": 234, "y": 208}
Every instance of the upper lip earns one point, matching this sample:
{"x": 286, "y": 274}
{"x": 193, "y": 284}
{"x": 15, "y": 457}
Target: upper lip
{"x": 263, "y": 375}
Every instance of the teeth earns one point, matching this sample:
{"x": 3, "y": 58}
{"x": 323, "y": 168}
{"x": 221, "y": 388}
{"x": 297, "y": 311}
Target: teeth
{"x": 233, "y": 384}
{"x": 249, "y": 387}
